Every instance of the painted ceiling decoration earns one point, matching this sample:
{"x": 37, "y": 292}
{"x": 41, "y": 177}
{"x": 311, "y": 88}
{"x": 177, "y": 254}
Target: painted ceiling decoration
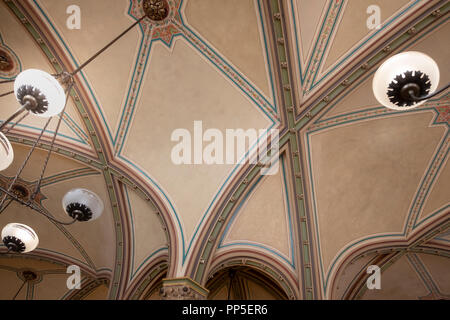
{"x": 358, "y": 184}
{"x": 9, "y": 62}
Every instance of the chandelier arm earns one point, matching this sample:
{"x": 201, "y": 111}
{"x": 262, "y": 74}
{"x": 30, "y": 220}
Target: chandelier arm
{"x": 106, "y": 47}
{"x": 25, "y": 162}
{"x": 39, "y": 210}
{"x": 32, "y": 206}
{"x": 38, "y": 186}
{"x": 16, "y": 114}
{"x": 6, "y": 94}
{"x": 416, "y": 98}
{"x": 20, "y": 289}
{"x": 17, "y": 122}
{"x": 15, "y": 198}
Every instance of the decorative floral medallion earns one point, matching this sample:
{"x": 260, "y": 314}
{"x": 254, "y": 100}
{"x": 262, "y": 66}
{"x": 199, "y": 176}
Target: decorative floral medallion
{"x": 162, "y": 17}
{"x": 9, "y": 64}
{"x": 156, "y": 10}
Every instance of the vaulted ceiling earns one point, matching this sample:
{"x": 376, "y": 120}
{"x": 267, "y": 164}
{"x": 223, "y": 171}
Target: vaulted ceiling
{"x": 357, "y": 184}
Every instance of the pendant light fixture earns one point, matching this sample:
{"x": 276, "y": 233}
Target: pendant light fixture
{"x": 406, "y": 80}
{"x": 19, "y": 238}
{"x": 42, "y": 94}
{"x": 6, "y": 152}
{"x": 39, "y": 93}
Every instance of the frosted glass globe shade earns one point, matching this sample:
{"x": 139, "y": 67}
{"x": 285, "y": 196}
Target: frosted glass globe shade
{"x": 44, "y": 87}
{"x": 398, "y": 65}
{"x": 6, "y": 152}
{"x": 21, "y": 235}
{"x": 83, "y": 201}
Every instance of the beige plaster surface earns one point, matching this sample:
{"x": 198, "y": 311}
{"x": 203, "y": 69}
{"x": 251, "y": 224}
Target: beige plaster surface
{"x": 109, "y": 75}
{"x": 439, "y": 195}
{"x": 399, "y": 281}
{"x": 308, "y": 14}
{"x": 10, "y": 284}
{"x": 51, "y": 239}
{"x": 57, "y": 164}
{"x": 31, "y": 57}
{"x": 438, "y": 267}
{"x": 100, "y": 293}
{"x": 362, "y": 97}
{"x": 233, "y": 28}
{"x": 200, "y": 93}
{"x": 263, "y": 219}
{"x": 366, "y": 174}
{"x": 147, "y": 229}
{"x": 97, "y": 237}
{"x": 346, "y": 276}
{"x": 52, "y": 287}
{"x": 353, "y": 26}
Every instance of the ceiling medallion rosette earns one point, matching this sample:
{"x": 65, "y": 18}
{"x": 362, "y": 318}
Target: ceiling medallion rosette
{"x": 158, "y": 13}
{"x": 162, "y": 18}
{"x": 156, "y": 10}
{"x": 9, "y": 64}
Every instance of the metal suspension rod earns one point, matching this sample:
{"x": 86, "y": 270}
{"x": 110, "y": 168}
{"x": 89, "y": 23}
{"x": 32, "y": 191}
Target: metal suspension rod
{"x": 16, "y": 114}
{"x": 32, "y": 206}
{"x": 231, "y": 273}
{"x": 51, "y": 218}
{"x": 2, "y": 209}
{"x": 38, "y": 186}
{"x": 17, "y": 122}
{"x": 415, "y": 98}
{"x": 20, "y": 289}
{"x": 6, "y": 94}
{"x": 106, "y": 47}
{"x": 25, "y": 162}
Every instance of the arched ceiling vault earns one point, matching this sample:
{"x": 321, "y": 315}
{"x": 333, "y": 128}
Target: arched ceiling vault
{"x": 348, "y": 88}
{"x": 303, "y": 68}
